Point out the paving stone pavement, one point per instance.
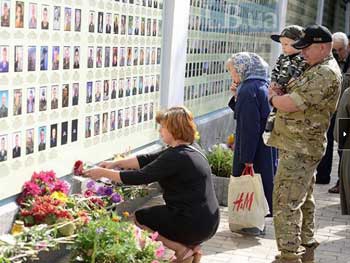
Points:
(333, 231)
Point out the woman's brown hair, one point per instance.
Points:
(179, 122)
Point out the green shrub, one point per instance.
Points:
(220, 160)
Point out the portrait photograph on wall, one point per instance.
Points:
(3, 148)
(4, 109)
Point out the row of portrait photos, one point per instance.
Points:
(111, 121)
(26, 15)
(112, 89)
(206, 89)
(97, 57)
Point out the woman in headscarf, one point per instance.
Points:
(251, 108)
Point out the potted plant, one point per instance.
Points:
(220, 158)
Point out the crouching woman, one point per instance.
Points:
(190, 215)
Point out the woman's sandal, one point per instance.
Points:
(197, 256)
(186, 257)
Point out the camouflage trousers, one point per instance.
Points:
(293, 203)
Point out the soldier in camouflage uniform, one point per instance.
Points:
(300, 129)
(290, 64)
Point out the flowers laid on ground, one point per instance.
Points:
(105, 240)
(52, 217)
(28, 244)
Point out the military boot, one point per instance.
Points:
(309, 255)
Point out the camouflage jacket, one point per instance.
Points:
(315, 93)
(287, 67)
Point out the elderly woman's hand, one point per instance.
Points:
(95, 173)
(233, 88)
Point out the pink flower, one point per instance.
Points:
(155, 261)
(61, 186)
(160, 252)
(31, 188)
(154, 236)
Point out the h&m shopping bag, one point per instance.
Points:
(247, 205)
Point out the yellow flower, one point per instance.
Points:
(59, 196)
(230, 139)
(197, 136)
(116, 219)
(126, 214)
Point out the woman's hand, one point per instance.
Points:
(249, 164)
(108, 164)
(233, 88)
(95, 173)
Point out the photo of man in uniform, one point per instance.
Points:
(4, 63)
(55, 57)
(88, 127)
(31, 58)
(42, 99)
(116, 24)
(97, 125)
(56, 18)
(65, 95)
(45, 17)
(17, 102)
(64, 133)
(3, 148)
(5, 14)
(32, 23)
(18, 58)
(76, 63)
(89, 92)
(54, 99)
(112, 122)
(53, 135)
(16, 150)
(66, 58)
(42, 139)
(4, 104)
(74, 136)
(100, 22)
(77, 20)
(67, 19)
(90, 61)
(91, 22)
(108, 23)
(30, 100)
(44, 58)
(29, 141)
(75, 98)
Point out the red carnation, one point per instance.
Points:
(78, 168)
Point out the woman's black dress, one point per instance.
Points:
(191, 212)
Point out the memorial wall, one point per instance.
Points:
(78, 80)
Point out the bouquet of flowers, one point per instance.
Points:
(42, 184)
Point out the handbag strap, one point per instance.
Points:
(248, 170)
(195, 149)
